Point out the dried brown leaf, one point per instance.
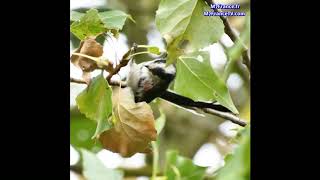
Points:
(134, 127)
(88, 47)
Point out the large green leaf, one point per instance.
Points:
(178, 167)
(81, 131)
(182, 24)
(237, 165)
(93, 168)
(197, 80)
(114, 19)
(88, 25)
(96, 103)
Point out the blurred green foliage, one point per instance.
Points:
(179, 167)
(237, 165)
(94, 169)
(81, 131)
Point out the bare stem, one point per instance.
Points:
(79, 81)
(228, 116)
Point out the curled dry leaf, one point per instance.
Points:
(134, 126)
(88, 47)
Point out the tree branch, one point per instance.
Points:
(228, 30)
(76, 168)
(123, 62)
(112, 83)
(225, 115)
(79, 81)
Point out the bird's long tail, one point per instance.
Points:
(184, 101)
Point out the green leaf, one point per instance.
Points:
(81, 131)
(96, 103)
(76, 16)
(237, 165)
(178, 167)
(88, 25)
(114, 19)
(93, 168)
(182, 24)
(93, 23)
(197, 80)
(160, 122)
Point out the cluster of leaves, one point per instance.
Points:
(237, 164)
(178, 167)
(185, 35)
(121, 125)
(186, 31)
(92, 23)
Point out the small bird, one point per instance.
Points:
(151, 79)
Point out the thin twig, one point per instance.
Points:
(228, 116)
(233, 36)
(112, 83)
(117, 83)
(186, 102)
(123, 62)
(76, 168)
(79, 81)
